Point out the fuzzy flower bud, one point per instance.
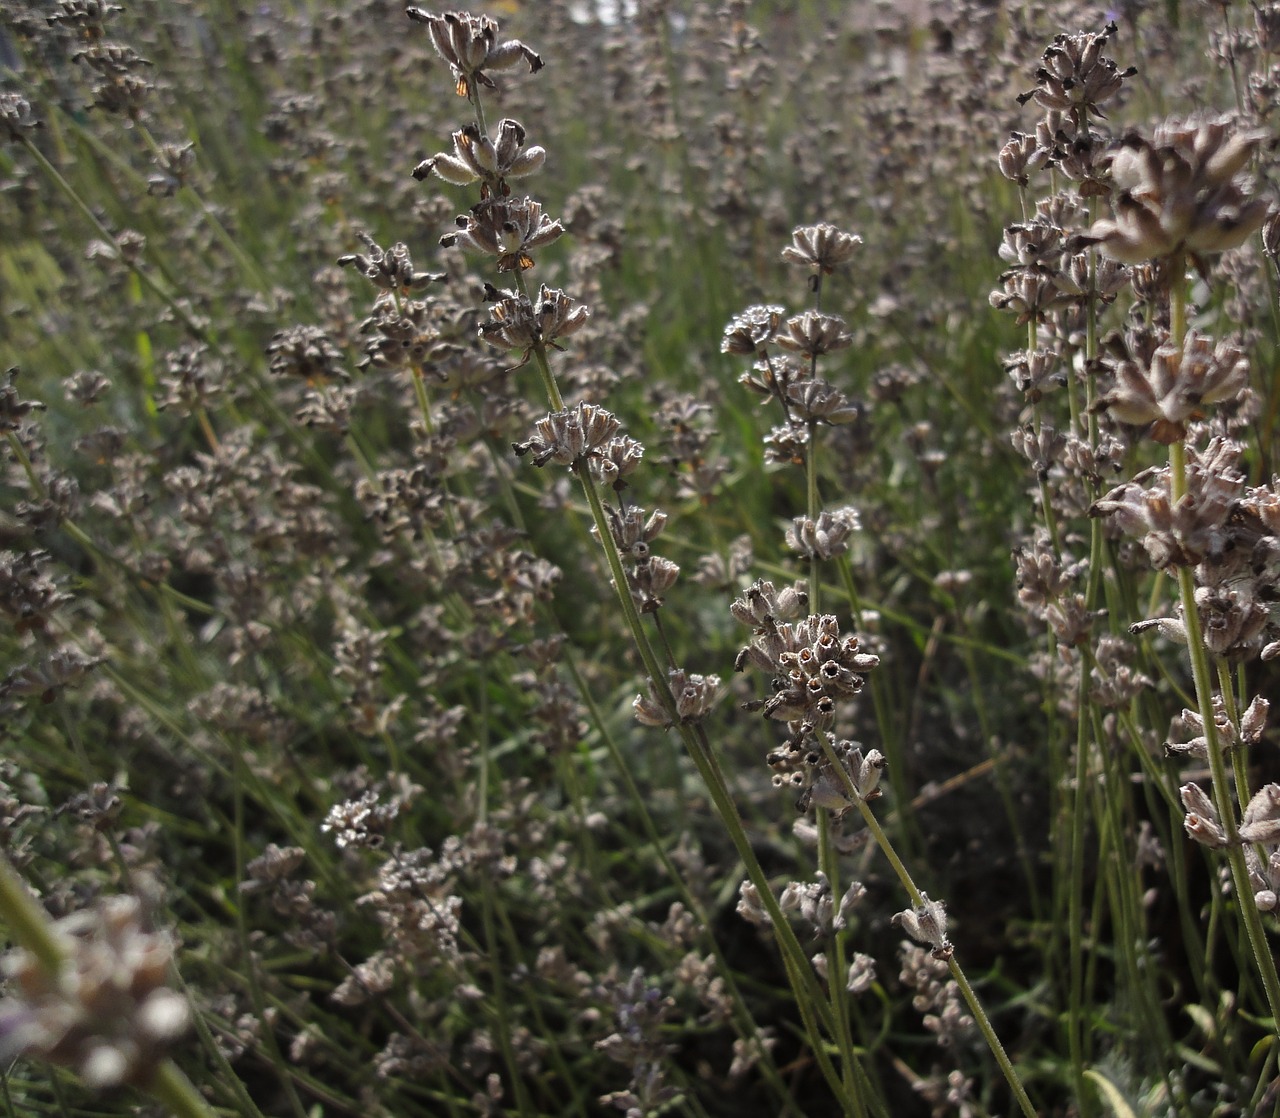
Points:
(1261, 821)
(927, 923)
(1202, 822)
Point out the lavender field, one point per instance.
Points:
(702, 559)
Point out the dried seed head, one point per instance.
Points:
(1194, 528)
(753, 331)
(88, 18)
(1021, 156)
(1031, 293)
(1266, 22)
(120, 86)
(570, 436)
(14, 409)
(1168, 389)
(469, 44)
(825, 537)
(617, 459)
(862, 973)
(1074, 76)
(1261, 821)
(307, 353)
(507, 229)
(694, 697)
(107, 1013)
(1254, 720)
(16, 118)
(822, 248)
(1180, 191)
(493, 161)
(632, 533)
(813, 668)
(389, 269)
(28, 594)
(813, 334)
(1036, 372)
(762, 605)
(55, 670)
(815, 401)
(517, 323)
(750, 907)
(649, 579)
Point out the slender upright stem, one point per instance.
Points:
(1203, 676)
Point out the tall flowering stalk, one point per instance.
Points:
(814, 668)
(587, 439)
(1181, 199)
(1177, 197)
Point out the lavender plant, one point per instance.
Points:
(372, 603)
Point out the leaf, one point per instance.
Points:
(1111, 1095)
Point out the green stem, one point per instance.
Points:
(179, 311)
(879, 836)
(30, 927)
(175, 1090)
(809, 998)
(837, 964)
(1222, 799)
(1203, 677)
(811, 502)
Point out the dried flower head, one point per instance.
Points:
(469, 44)
(107, 1013)
(857, 776)
(518, 323)
(1075, 77)
(825, 537)
(509, 230)
(493, 161)
(16, 118)
(750, 333)
(13, 408)
(88, 18)
(389, 269)
(1185, 532)
(1181, 191)
(813, 334)
(569, 437)
(821, 248)
(1168, 390)
(1020, 156)
(307, 353)
(813, 668)
(694, 696)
